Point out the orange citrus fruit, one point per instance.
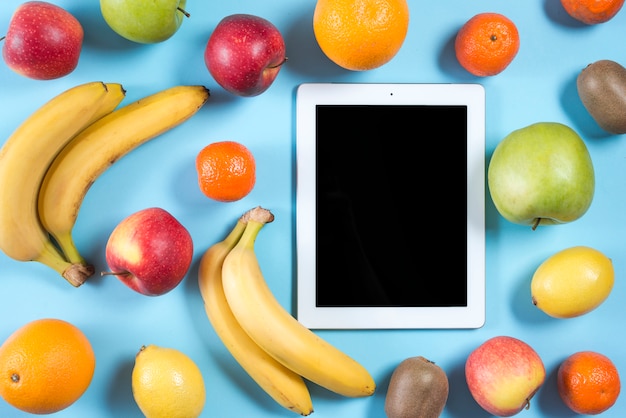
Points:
(360, 34)
(588, 382)
(226, 171)
(45, 366)
(486, 44)
(592, 12)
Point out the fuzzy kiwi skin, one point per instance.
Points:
(602, 89)
(418, 389)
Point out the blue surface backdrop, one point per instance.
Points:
(538, 86)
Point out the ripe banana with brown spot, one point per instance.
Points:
(284, 386)
(96, 148)
(24, 159)
(275, 330)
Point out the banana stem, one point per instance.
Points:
(66, 243)
(255, 219)
(76, 274)
(258, 214)
(233, 237)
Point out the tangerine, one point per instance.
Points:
(588, 382)
(226, 171)
(486, 44)
(360, 35)
(592, 12)
(45, 366)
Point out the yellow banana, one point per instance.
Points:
(96, 148)
(24, 159)
(276, 330)
(284, 386)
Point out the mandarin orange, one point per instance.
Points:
(588, 382)
(486, 44)
(226, 171)
(592, 12)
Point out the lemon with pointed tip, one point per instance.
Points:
(572, 282)
(167, 383)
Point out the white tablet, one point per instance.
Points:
(390, 205)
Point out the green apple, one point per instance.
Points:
(144, 21)
(541, 174)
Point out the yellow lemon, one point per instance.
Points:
(572, 282)
(166, 383)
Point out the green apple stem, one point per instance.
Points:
(183, 11)
(536, 223)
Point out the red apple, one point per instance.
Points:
(43, 41)
(503, 374)
(150, 251)
(244, 54)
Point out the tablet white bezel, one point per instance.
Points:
(308, 96)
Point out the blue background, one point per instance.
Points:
(538, 86)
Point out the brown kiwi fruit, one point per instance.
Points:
(418, 389)
(602, 89)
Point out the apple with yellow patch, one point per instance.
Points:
(503, 374)
(150, 251)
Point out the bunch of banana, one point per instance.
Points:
(283, 385)
(24, 159)
(97, 147)
(48, 164)
(253, 325)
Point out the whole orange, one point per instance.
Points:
(226, 171)
(588, 382)
(486, 44)
(360, 35)
(45, 366)
(592, 12)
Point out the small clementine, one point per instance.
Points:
(45, 366)
(486, 44)
(588, 382)
(226, 171)
(592, 12)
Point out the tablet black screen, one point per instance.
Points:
(391, 205)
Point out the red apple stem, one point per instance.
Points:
(183, 11)
(2, 38)
(278, 65)
(114, 273)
